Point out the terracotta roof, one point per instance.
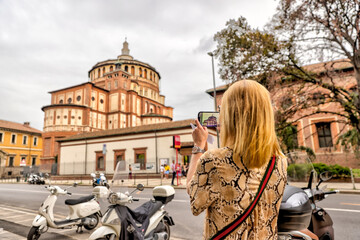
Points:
(18, 127)
(78, 85)
(131, 130)
(340, 64)
(218, 89)
(155, 115)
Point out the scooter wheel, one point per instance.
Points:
(167, 229)
(34, 233)
(94, 222)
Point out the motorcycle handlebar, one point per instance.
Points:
(135, 199)
(332, 192)
(69, 193)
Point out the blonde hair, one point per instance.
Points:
(247, 123)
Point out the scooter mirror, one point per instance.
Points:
(75, 184)
(326, 176)
(140, 187)
(93, 175)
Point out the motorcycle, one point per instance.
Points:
(36, 179)
(83, 212)
(148, 221)
(300, 218)
(32, 179)
(101, 181)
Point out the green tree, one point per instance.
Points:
(300, 32)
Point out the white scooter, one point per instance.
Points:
(84, 211)
(149, 221)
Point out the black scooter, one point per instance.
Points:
(299, 214)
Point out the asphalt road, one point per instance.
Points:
(19, 203)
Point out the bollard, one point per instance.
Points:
(352, 179)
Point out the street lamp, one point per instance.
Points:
(211, 54)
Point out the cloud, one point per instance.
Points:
(49, 45)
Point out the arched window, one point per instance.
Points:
(126, 69)
(99, 73)
(132, 70)
(145, 73)
(103, 70)
(140, 72)
(111, 68)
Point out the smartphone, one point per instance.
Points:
(209, 119)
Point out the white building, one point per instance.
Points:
(144, 147)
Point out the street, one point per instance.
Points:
(19, 204)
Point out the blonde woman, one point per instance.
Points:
(224, 182)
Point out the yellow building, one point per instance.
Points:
(20, 146)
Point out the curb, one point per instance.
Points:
(349, 191)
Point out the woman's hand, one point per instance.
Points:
(200, 135)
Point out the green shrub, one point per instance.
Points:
(299, 171)
(337, 170)
(356, 172)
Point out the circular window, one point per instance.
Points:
(93, 98)
(78, 98)
(58, 117)
(69, 100)
(61, 101)
(110, 121)
(101, 101)
(79, 118)
(65, 117)
(72, 117)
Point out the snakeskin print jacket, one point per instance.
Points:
(224, 189)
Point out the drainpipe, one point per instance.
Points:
(156, 154)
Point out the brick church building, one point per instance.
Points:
(121, 92)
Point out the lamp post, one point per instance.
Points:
(211, 54)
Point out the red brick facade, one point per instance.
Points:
(308, 127)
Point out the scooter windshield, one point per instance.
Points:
(121, 174)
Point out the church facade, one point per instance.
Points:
(121, 93)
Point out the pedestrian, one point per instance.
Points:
(178, 170)
(223, 182)
(183, 172)
(186, 169)
(130, 171)
(167, 171)
(173, 169)
(162, 171)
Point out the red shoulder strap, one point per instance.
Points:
(232, 226)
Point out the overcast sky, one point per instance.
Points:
(49, 45)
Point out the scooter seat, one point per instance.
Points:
(146, 210)
(79, 200)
